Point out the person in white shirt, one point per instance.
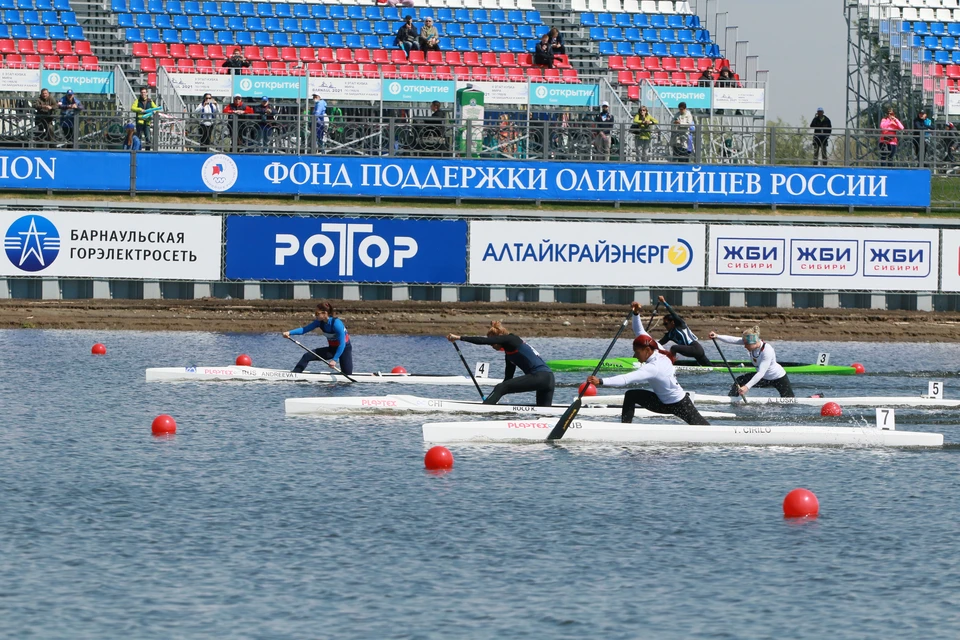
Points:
(769, 372)
(665, 394)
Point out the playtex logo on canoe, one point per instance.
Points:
(586, 253)
(32, 243)
(346, 249)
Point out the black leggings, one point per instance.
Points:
(694, 351)
(780, 384)
(540, 381)
(685, 409)
(346, 358)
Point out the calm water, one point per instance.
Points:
(249, 524)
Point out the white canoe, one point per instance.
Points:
(852, 401)
(170, 374)
(404, 403)
(669, 433)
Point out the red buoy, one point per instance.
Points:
(99, 349)
(243, 360)
(164, 425)
(398, 369)
(801, 503)
(831, 409)
(590, 390)
(858, 368)
(438, 458)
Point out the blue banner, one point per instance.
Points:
(346, 249)
(671, 97)
(64, 170)
(560, 181)
(100, 82)
(273, 87)
(418, 91)
(568, 95)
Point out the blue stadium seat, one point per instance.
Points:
(623, 20)
(49, 18)
(938, 29)
(508, 31)
(446, 44)
(949, 43)
(117, 6)
(461, 44)
(651, 35)
(463, 15)
(921, 28)
(69, 19)
(299, 40)
(678, 51)
(291, 25)
(660, 50)
(515, 46)
(281, 40)
(11, 17)
(31, 18)
(668, 35)
(137, 6)
(354, 42)
(371, 42)
(210, 8)
(713, 50)
(624, 49)
(372, 12)
(498, 45)
(641, 20)
(56, 32)
(942, 57)
(229, 9)
(235, 23)
(702, 36)
(927, 55)
(346, 27)
(498, 16)
(931, 42)
(310, 26)
(199, 23)
(264, 9)
(691, 22)
(19, 32)
(658, 21)
(515, 17)
(61, 5)
(489, 30)
(480, 45)
(43, 5)
(247, 10)
(244, 38)
(632, 34)
(24, 4)
(38, 32)
(301, 11)
(262, 39)
(125, 21)
(336, 41)
(218, 23)
(364, 28)
(686, 36)
(480, 15)
(605, 19)
(355, 12)
(133, 35)
(155, 6)
(173, 7)
(254, 24)
(615, 34)
(444, 16)
(453, 29)
(328, 26)
(192, 8)
(170, 36)
(226, 37)
(150, 35)
(471, 30)
(642, 49)
(272, 25)
(533, 17)
(675, 21)
(163, 21)
(144, 20)
(207, 37)
(391, 14)
(336, 12)
(953, 29)
(955, 57)
(695, 50)
(606, 49)
(189, 37)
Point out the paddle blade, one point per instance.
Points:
(565, 420)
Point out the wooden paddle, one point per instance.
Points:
(475, 383)
(574, 407)
(745, 401)
(321, 358)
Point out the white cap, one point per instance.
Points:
(604, 104)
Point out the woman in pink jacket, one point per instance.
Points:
(889, 127)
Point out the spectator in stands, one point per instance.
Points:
(69, 106)
(642, 130)
(923, 125)
(45, 106)
(408, 36)
(507, 136)
(144, 107)
(889, 127)
(726, 78)
(320, 113)
(822, 128)
(556, 42)
(706, 79)
(601, 140)
(266, 115)
(429, 39)
(131, 142)
(239, 112)
(433, 132)
(236, 61)
(681, 141)
(207, 110)
(951, 142)
(543, 54)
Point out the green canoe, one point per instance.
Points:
(691, 366)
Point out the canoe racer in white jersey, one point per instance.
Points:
(665, 394)
(769, 372)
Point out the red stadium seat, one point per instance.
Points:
(289, 54)
(534, 73)
(65, 48)
(525, 59)
(389, 70)
(157, 50)
(307, 54)
(51, 62)
(661, 78)
(215, 52)
(471, 58)
(31, 62)
(508, 60)
(953, 71)
(13, 61)
(46, 48)
(633, 94)
(315, 68)
(148, 65)
(279, 67)
(152, 80)
(324, 55)
(644, 75)
(178, 51)
(616, 63)
(426, 72)
(454, 59)
(8, 46)
(417, 57)
(679, 79)
(497, 74)
(351, 70)
(381, 56)
(25, 47)
(397, 56)
(515, 74)
(252, 53)
(362, 56)
(634, 63)
(651, 63)
(435, 58)
(626, 77)
(489, 59)
(167, 63)
(570, 75)
(82, 48)
(462, 73)
(90, 63)
(72, 63)
(669, 64)
(688, 64)
(185, 65)
(407, 71)
(272, 54)
(344, 55)
(371, 70)
(204, 66)
(443, 72)
(197, 52)
(479, 73)
(560, 61)
(551, 75)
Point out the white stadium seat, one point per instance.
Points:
(471, 4)
(684, 7)
(927, 15)
(525, 5)
(934, 4)
(909, 14)
(578, 6)
(631, 6)
(613, 6)
(951, 4)
(596, 6)
(648, 6)
(489, 4)
(665, 6)
(455, 4)
(508, 5)
(944, 15)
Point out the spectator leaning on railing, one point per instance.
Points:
(889, 127)
(130, 141)
(822, 128)
(642, 129)
(69, 106)
(144, 107)
(207, 110)
(45, 107)
(604, 121)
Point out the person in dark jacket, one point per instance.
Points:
(822, 128)
(408, 36)
(922, 125)
(543, 54)
(517, 353)
(604, 131)
(556, 42)
(236, 61)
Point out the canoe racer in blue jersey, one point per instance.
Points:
(517, 353)
(679, 339)
(339, 350)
